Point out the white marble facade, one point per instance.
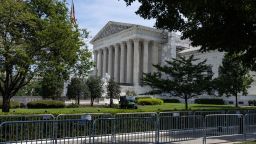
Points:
(126, 51)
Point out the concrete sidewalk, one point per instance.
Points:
(236, 139)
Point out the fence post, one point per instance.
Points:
(93, 130)
(55, 131)
(157, 133)
(205, 128)
(113, 132)
(244, 126)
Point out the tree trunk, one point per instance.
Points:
(6, 104)
(236, 101)
(111, 102)
(186, 102)
(78, 100)
(92, 101)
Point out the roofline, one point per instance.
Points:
(128, 24)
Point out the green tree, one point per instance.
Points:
(31, 89)
(113, 90)
(52, 86)
(182, 77)
(224, 25)
(35, 37)
(84, 62)
(95, 86)
(234, 77)
(77, 89)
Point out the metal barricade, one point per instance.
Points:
(176, 113)
(125, 130)
(166, 127)
(223, 125)
(93, 116)
(137, 115)
(180, 128)
(250, 124)
(204, 113)
(47, 131)
(34, 117)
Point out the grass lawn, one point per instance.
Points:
(155, 108)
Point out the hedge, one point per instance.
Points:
(171, 100)
(150, 101)
(142, 97)
(13, 104)
(210, 101)
(46, 104)
(252, 102)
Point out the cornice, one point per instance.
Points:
(127, 34)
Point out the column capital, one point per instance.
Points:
(136, 39)
(109, 48)
(116, 45)
(146, 40)
(122, 44)
(105, 49)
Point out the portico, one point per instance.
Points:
(126, 51)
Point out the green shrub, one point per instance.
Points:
(210, 101)
(143, 97)
(252, 102)
(46, 104)
(171, 100)
(13, 104)
(150, 101)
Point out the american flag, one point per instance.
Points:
(72, 13)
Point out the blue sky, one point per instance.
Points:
(94, 14)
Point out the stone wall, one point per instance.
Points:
(25, 99)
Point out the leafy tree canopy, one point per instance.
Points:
(182, 77)
(95, 86)
(36, 36)
(113, 91)
(52, 86)
(233, 77)
(224, 25)
(78, 89)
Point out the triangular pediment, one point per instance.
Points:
(111, 28)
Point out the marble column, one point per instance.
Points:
(145, 56)
(122, 64)
(136, 63)
(154, 55)
(99, 65)
(116, 62)
(104, 62)
(95, 54)
(129, 62)
(110, 64)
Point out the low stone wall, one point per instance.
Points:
(25, 99)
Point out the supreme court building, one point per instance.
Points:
(126, 51)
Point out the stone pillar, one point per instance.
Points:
(95, 54)
(136, 63)
(116, 62)
(129, 62)
(154, 55)
(99, 65)
(110, 67)
(104, 61)
(145, 56)
(122, 64)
